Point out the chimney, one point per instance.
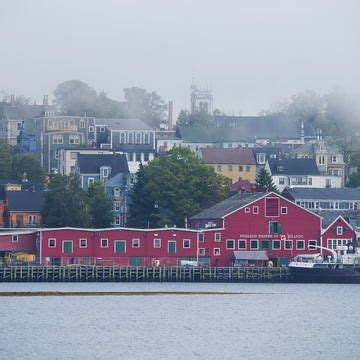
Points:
(170, 115)
(302, 133)
(242, 189)
(265, 188)
(45, 102)
(253, 188)
(12, 100)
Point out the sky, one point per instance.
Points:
(252, 53)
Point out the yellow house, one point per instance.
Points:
(235, 164)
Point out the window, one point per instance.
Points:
(146, 157)
(241, 168)
(146, 139)
(201, 237)
(281, 181)
(219, 168)
(157, 243)
(122, 138)
(58, 139)
(217, 237)
(51, 243)
(300, 244)
(247, 168)
(116, 206)
(73, 155)
(275, 227)
(57, 155)
(102, 129)
(171, 247)
(288, 244)
(104, 243)
(67, 247)
(254, 244)
(32, 219)
(15, 238)
(90, 181)
(120, 247)
(276, 244)
(260, 158)
(272, 206)
(333, 159)
(311, 244)
(230, 168)
(91, 129)
(105, 172)
(284, 210)
(230, 244)
(247, 210)
(116, 220)
(310, 181)
(186, 244)
(82, 124)
(216, 251)
(201, 252)
(135, 243)
(242, 244)
(337, 243)
(116, 192)
(138, 138)
(255, 210)
(83, 243)
(130, 138)
(339, 230)
(138, 157)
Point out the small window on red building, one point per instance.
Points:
(217, 237)
(135, 243)
(51, 243)
(201, 252)
(83, 243)
(15, 238)
(284, 210)
(201, 237)
(216, 251)
(104, 243)
(272, 207)
(186, 243)
(247, 210)
(255, 210)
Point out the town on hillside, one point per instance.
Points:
(122, 183)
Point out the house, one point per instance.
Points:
(167, 140)
(256, 222)
(129, 136)
(264, 153)
(299, 173)
(329, 160)
(112, 170)
(235, 164)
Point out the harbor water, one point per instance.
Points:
(260, 321)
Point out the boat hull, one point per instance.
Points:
(348, 275)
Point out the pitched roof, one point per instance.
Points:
(123, 124)
(25, 200)
(329, 216)
(91, 163)
(324, 194)
(228, 156)
(240, 185)
(293, 167)
(227, 206)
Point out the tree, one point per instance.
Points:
(146, 106)
(354, 180)
(27, 164)
(100, 206)
(174, 187)
(264, 179)
(199, 118)
(65, 203)
(5, 160)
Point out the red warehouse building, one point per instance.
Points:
(254, 228)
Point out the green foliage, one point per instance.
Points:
(100, 206)
(264, 179)
(65, 203)
(174, 187)
(354, 180)
(27, 164)
(199, 118)
(5, 160)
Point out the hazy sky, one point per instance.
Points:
(251, 52)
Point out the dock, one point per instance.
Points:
(92, 273)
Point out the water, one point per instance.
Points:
(279, 321)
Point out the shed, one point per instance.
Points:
(250, 258)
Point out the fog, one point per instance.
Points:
(252, 53)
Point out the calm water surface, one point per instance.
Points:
(281, 321)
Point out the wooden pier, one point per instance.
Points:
(141, 274)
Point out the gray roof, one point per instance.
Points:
(227, 206)
(329, 216)
(293, 167)
(25, 200)
(123, 124)
(91, 163)
(250, 255)
(324, 194)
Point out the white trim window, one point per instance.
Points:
(186, 243)
(91, 129)
(300, 244)
(15, 238)
(242, 244)
(83, 243)
(74, 139)
(288, 245)
(230, 244)
(339, 230)
(247, 210)
(51, 243)
(201, 251)
(104, 243)
(157, 243)
(82, 124)
(311, 244)
(58, 139)
(135, 243)
(284, 210)
(217, 237)
(216, 251)
(276, 245)
(90, 180)
(31, 219)
(254, 244)
(255, 210)
(201, 237)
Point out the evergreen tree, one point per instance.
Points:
(174, 187)
(264, 179)
(5, 160)
(27, 164)
(100, 206)
(65, 203)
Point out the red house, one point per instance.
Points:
(248, 228)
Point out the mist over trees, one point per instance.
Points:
(75, 97)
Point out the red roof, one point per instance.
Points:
(228, 156)
(241, 185)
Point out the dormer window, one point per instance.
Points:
(105, 172)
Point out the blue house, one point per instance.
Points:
(111, 170)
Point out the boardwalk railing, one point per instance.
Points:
(92, 273)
